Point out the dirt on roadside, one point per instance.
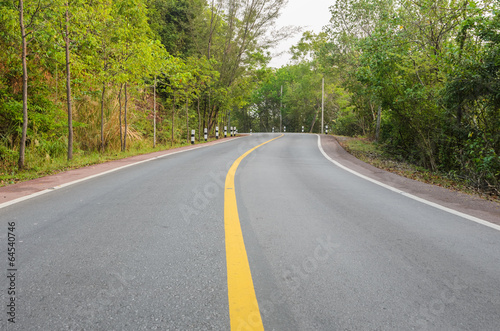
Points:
(15, 191)
(465, 203)
(475, 206)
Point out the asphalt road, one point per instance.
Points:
(143, 248)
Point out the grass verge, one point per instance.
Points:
(371, 153)
(37, 167)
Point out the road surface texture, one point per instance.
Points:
(143, 248)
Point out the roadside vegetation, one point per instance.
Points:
(85, 81)
(101, 78)
(372, 153)
(43, 167)
(420, 77)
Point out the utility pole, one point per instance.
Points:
(322, 104)
(281, 105)
(154, 114)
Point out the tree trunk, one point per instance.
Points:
(22, 147)
(68, 88)
(187, 120)
(102, 115)
(57, 82)
(154, 114)
(173, 119)
(120, 115)
(125, 121)
(199, 120)
(313, 122)
(209, 119)
(205, 112)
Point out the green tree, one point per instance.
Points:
(28, 24)
(472, 100)
(175, 22)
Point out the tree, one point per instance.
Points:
(174, 22)
(133, 44)
(102, 33)
(24, 42)
(472, 100)
(68, 83)
(71, 17)
(25, 86)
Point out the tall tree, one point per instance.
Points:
(103, 29)
(68, 80)
(25, 86)
(24, 42)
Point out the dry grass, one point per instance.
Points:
(371, 153)
(80, 159)
(88, 113)
(49, 156)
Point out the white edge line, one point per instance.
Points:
(411, 196)
(27, 197)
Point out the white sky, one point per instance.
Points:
(309, 14)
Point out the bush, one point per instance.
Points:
(481, 164)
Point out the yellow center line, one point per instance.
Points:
(244, 311)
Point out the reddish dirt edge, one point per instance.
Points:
(15, 191)
(474, 206)
(486, 210)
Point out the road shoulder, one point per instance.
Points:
(15, 191)
(474, 206)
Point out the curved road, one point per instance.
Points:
(143, 248)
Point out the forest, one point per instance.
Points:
(419, 77)
(102, 77)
